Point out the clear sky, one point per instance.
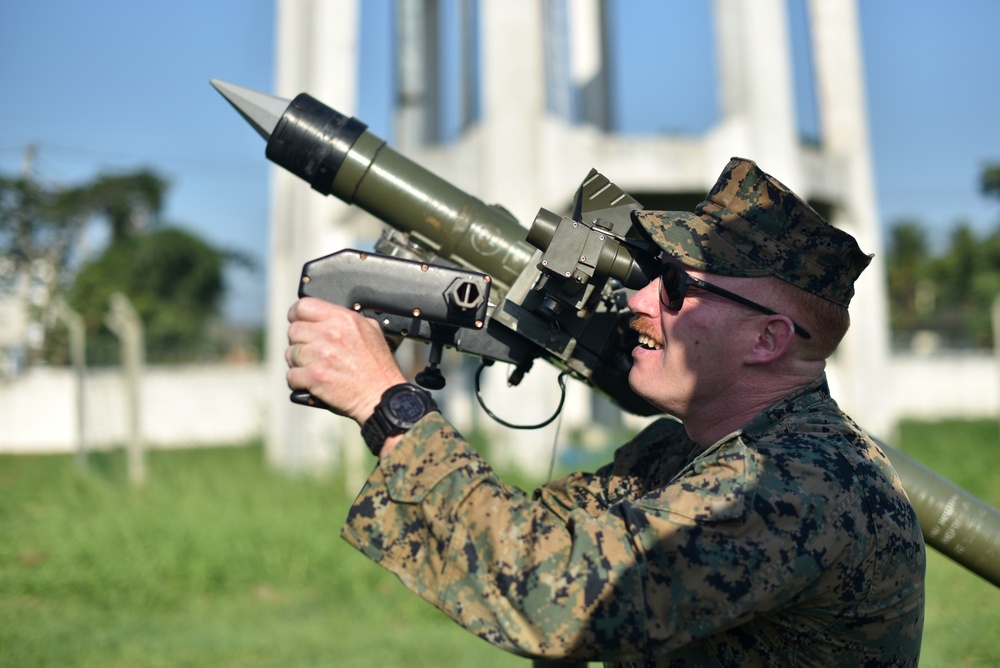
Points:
(120, 84)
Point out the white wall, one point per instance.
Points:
(182, 406)
(190, 406)
(945, 385)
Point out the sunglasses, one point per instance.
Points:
(674, 283)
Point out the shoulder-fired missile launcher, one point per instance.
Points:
(479, 282)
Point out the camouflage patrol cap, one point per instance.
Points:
(752, 225)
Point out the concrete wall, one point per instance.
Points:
(945, 385)
(181, 406)
(190, 406)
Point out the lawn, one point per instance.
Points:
(962, 625)
(220, 562)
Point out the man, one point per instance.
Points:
(761, 527)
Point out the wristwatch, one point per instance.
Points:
(401, 407)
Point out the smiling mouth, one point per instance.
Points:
(648, 343)
(647, 339)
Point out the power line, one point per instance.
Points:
(44, 149)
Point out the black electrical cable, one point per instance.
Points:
(482, 402)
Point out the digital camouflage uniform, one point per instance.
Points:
(787, 542)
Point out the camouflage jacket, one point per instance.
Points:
(788, 542)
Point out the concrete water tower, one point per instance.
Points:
(522, 112)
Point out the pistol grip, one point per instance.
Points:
(304, 398)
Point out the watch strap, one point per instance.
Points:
(400, 407)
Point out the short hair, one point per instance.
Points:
(826, 322)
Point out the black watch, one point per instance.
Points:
(401, 407)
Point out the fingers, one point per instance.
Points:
(311, 320)
(292, 355)
(310, 309)
(339, 356)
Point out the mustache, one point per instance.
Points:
(645, 327)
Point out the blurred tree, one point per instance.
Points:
(41, 226)
(173, 279)
(954, 272)
(950, 291)
(130, 203)
(990, 180)
(907, 262)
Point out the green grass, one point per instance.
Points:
(216, 562)
(220, 562)
(962, 626)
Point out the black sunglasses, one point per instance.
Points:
(674, 283)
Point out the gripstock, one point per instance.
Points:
(456, 272)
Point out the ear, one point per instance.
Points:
(771, 340)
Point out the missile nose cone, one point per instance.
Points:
(262, 111)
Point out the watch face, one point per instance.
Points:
(407, 407)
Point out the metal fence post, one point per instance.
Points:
(77, 355)
(123, 320)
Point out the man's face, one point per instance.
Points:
(686, 358)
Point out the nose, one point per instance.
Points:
(646, 300)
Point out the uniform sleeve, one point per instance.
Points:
(648, 462)
(541, 579)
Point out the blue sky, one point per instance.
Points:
(120, 84)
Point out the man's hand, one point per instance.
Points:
(339, 356)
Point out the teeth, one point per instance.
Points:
(648, 342)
